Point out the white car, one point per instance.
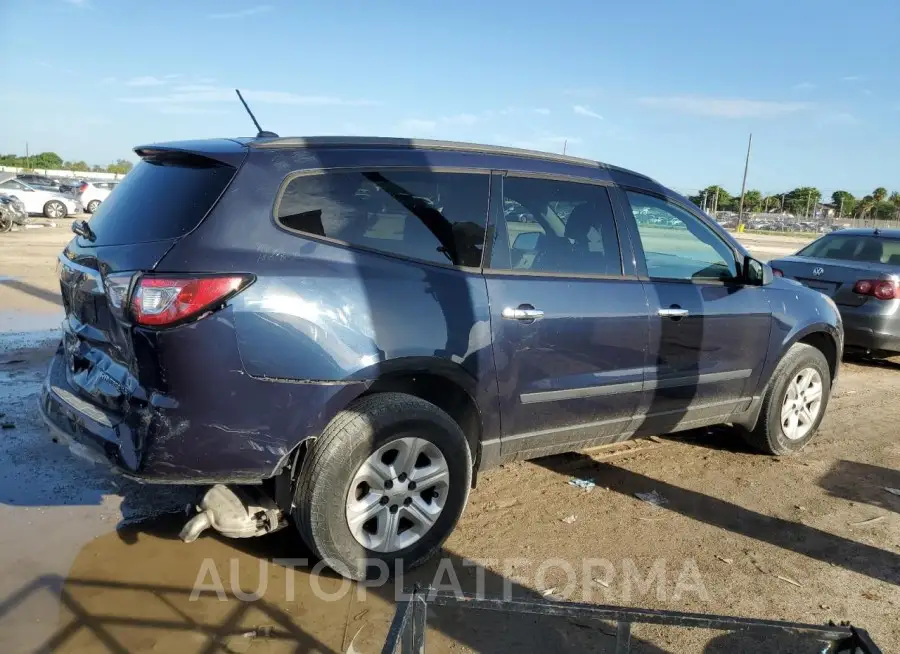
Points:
(47, 203)
(91, 194)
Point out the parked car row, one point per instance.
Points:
(38, 200)
(53, 197)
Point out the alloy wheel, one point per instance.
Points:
(397, 494)
(802, 403)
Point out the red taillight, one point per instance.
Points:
(83, 187)
(882, 289)
(160, 301)
(777, 273)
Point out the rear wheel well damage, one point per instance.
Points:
(444, 393)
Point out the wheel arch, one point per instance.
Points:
(825, 338)
(443, 383)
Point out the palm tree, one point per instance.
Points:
(895, 200)
(865, 206)
(879, 194)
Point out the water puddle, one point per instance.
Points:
(143, 590)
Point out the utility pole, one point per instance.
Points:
(808, 198)
(744, 186)
(565, 143)
(841, 210)
(27, 158)
(704, 201)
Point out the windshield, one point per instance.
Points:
(854, 247)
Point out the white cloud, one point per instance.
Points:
(146, 80)
(204, 94)
(509, 111)
(193, 88)
(77, 3)
(867, 91)
(836, 119)
(724, 107)
(173, 75)
(206, 80)
(108, 80)
(417, 126)
(805, 86)
(460, 119)
(852, 78)
(241, 13)
(581, 110)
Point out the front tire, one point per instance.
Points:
(387, 480)
(55, 209)
(794, 403)
(92, 206)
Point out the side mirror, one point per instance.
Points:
(757, 273)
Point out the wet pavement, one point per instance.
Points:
(51, 504)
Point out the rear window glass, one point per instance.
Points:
(159, 199)
(850, 247)
(432, 216)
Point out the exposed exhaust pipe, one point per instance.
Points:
(235, 512)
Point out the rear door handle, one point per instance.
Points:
(673, 312)
(523, 312)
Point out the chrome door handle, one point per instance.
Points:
(522, 314)
(673, 312)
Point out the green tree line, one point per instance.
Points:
(801, 202)
(52, 161)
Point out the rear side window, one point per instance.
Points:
(431, 216)
(851, 247)
(162, 198)
(557, 227)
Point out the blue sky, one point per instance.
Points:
(669, 88)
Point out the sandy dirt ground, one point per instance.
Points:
(90, 562)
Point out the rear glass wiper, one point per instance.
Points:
(84, 230)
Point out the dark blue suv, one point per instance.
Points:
(362, 324)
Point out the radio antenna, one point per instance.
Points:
(261, 133)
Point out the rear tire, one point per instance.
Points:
(92, 206)
(333, 487)
(789, 417)
(55, 209)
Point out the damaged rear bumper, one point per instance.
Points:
(194, 439)
(91, 432)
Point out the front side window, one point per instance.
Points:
(677, 244)
(13, 184)
(432, 216)
(853, 247)
(557, 227)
